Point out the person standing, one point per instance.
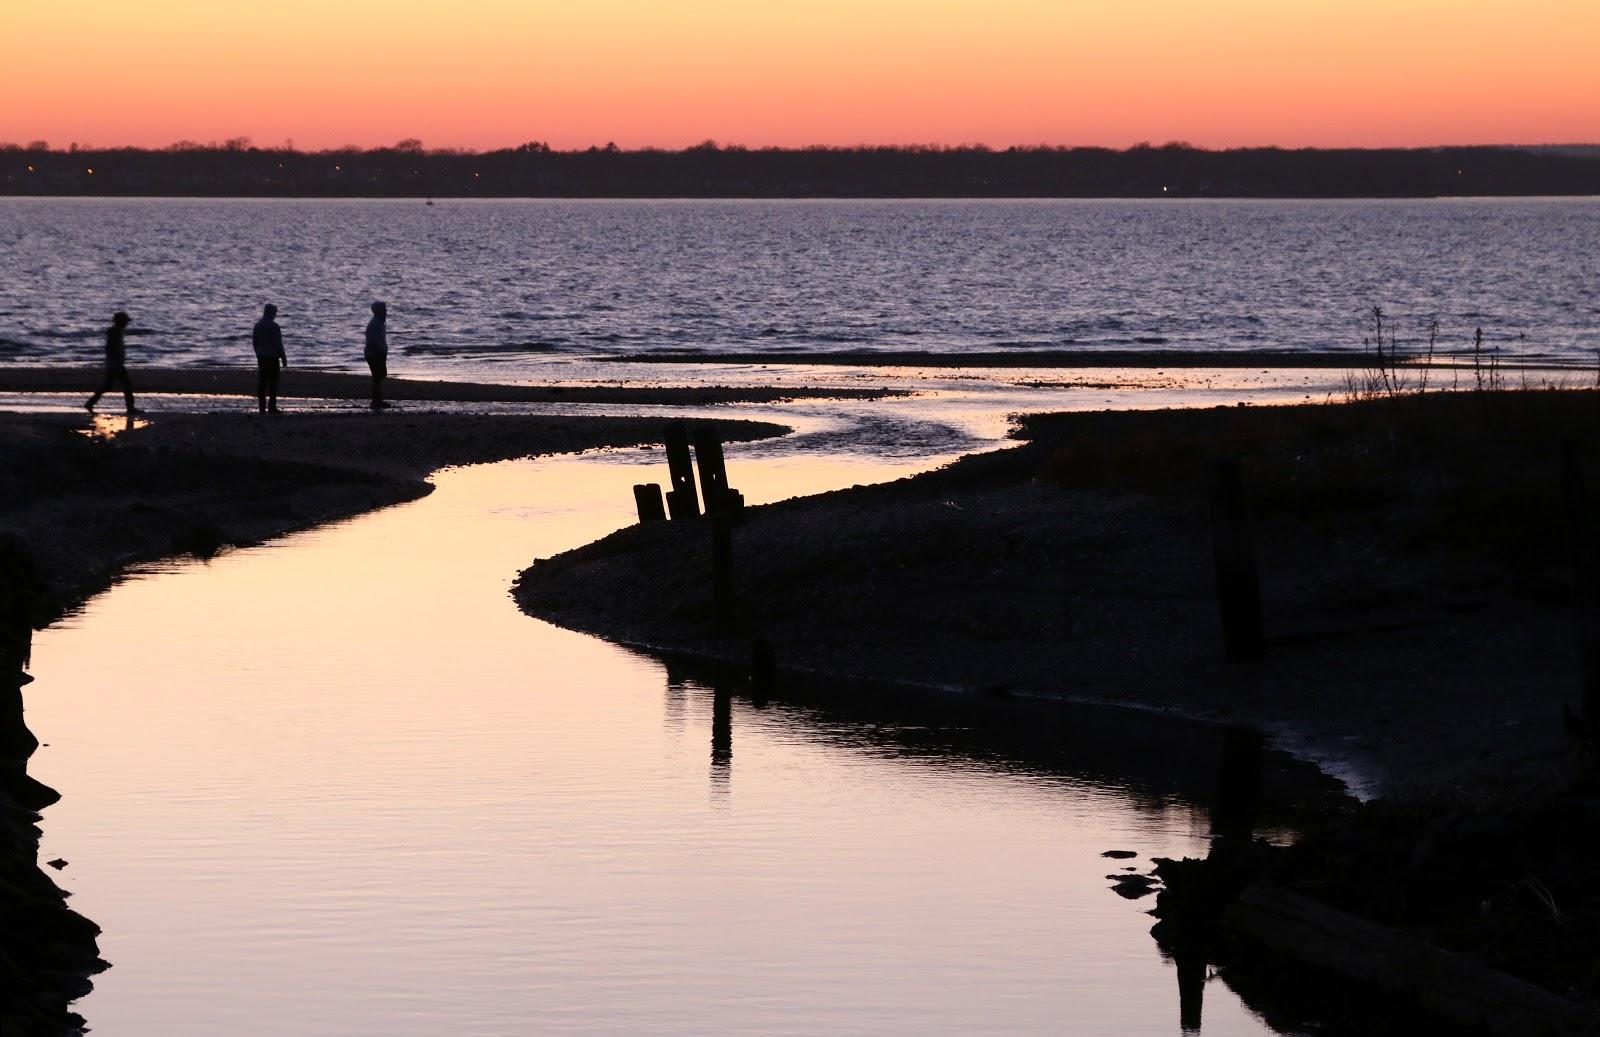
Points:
(377, 351)
(116, 365)
(267, 338)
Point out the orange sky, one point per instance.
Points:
(490, 73)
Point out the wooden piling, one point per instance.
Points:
(1233, 554)
(682, 500)
(713, 469)
(647, 499)
(722, 570)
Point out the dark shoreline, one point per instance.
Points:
(534, 169)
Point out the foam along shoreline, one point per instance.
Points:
(341, 385)
(1092, 359)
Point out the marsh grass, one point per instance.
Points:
(1478, 474)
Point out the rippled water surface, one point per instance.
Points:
(497, 289)
(340, 785)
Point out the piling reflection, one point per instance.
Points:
(1156, 761)
(721, 740)
(1159, 763)
(1191, 968)
(676, 702)
(47, 952)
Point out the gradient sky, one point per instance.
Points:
(491, 73)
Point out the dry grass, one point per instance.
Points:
(1475, 472)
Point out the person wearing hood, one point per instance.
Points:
(267, 338)
(377, 351)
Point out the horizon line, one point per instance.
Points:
(412, 145)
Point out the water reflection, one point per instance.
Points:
(438, 814)
(1192, 972)
(721, 741)
(1155, 762)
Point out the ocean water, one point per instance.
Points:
(516, 289)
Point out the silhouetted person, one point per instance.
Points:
(377, 351)
(267, 338)
(116, 365)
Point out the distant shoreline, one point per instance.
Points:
(534, 170)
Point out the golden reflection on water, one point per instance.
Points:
(339, 784)
(110, 426)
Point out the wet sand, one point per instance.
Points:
(339, 385)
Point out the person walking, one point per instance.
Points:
(267, 339)
(377, 351)
(116, 365)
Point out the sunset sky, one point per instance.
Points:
(492, 73)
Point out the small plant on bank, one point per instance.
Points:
(1391, 373)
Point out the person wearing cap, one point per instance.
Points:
(377, 351)
(116, 365)
(267, 339)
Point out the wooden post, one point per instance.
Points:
(1583, 720)
(713, 469)
(1233, 552)
(681, 499)
(722, 570)
(1233, 814)
(647, 499)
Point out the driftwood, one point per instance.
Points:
(1445, 984)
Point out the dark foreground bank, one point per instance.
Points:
(1417, 559)
(1412, 556)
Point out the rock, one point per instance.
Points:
(1120, 855)
(57, 864)
(1132, 887)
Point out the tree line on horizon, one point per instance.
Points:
(238, 168)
